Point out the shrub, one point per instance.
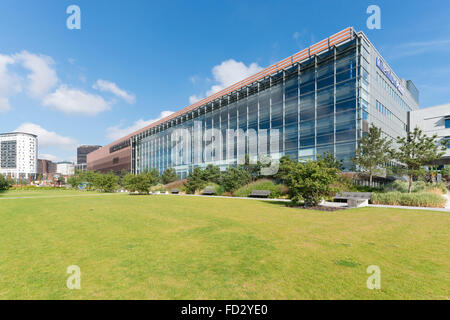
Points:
(169, 175)
(234, 178)
(409, 199)
(4, 183)
(195, 181)
(141, 182)
(310, 181)
(276, 190)
(106, 182)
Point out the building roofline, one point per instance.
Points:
(29, 134)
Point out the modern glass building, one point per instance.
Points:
(319, 100)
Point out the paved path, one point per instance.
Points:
(409, 208)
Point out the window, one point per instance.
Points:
(447, 139)
(447, 122)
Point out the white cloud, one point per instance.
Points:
(42, 77)
(117, 132)
(9, 83)
(194, 98)
(75, 101)
(47, 138)
(228, 73)
(111, 87)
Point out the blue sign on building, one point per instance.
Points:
(389, 74)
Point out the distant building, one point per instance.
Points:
(114, 157)
(18, 155)
(46, 167)
(434, 120)
(81, 167)
(83, 151)
(65, 168)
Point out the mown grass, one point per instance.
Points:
(177, 247)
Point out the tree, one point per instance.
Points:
(195, 181)
(212, 174)
(286, 166)
(4, 183)
(169, 175)
(414, 151)
(310, 181)
(253, 168)
(234, 178)
(106, 182)
(75, 181)
(154, 176)
(373, 152)
(89, 178)
(330, 161)
(140, 182)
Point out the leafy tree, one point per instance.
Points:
(154, 176)
(75, 181)
(106, 182)
(4, 183)
(89, 178)
(310, 181)
(140, 182)
(212, 174)
(169, 175)
(234, 178)
(414, 151)
(195, 181)
(330, 161)
(286, 165)
(253, 168)
(373, 152)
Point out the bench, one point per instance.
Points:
(355, 199)
(175, 191)
(209, 191)
(260, 193)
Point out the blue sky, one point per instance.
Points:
(133, 61)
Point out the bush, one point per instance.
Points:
(276, 190)
(195, 181)
(106, 182)
(169, 175)
(4, 183)
(234, 178)
(141, 182)
(430, 200)
(311, 181)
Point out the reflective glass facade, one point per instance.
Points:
(319, 105)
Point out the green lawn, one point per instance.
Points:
(177, 247)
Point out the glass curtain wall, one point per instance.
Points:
(315, 107)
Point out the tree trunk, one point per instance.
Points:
(371, 179)
(410, 183)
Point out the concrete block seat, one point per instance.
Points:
(355, 199)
